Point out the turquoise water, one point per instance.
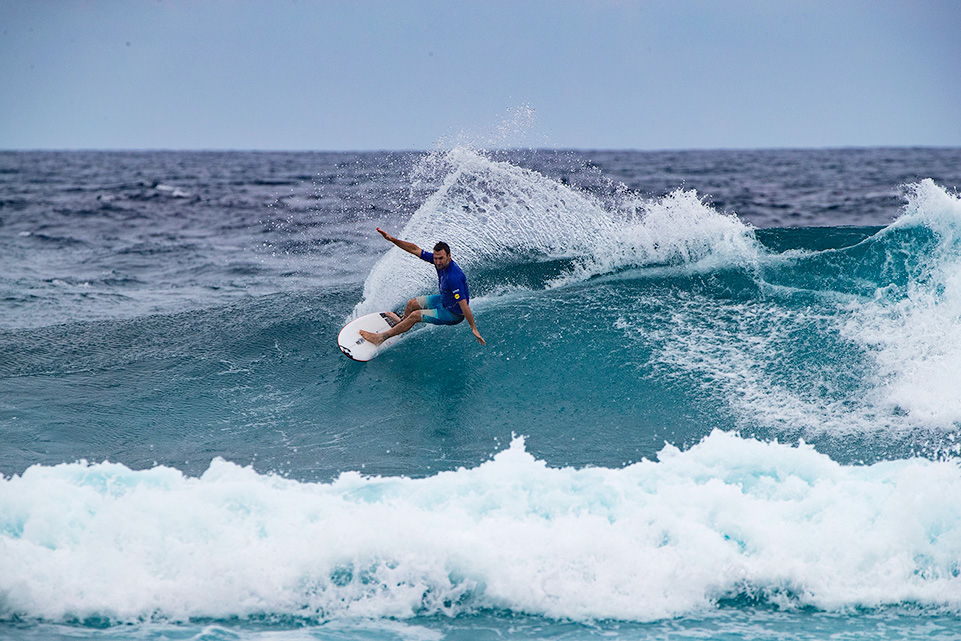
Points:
(682, 426)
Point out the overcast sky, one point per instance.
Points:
(357, 74)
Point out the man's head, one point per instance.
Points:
(441, 255)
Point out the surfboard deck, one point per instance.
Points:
(355, 347)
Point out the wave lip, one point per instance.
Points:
(731, 517)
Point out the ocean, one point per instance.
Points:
(720, 396)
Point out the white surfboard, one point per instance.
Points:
(357, 348)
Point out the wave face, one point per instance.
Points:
(729, 518)
(854, 340)
(685, 421)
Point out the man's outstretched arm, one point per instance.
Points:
(465, 310)
(403, 244)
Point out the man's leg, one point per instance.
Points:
(409, 321)
(412, 305)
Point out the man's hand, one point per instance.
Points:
(408, 247)
(469, 315)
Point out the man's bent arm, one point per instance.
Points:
(465, 310)
(403, 244)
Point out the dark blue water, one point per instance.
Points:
(719, 396)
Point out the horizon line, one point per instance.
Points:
(374, 150)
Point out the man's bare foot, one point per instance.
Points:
(394, 316)
(371, 337)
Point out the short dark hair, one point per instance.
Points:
(442, 245)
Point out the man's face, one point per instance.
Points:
(441, 259)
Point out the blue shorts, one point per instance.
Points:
(434, 312)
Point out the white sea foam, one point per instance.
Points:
(913, 332)
(678, 229)
(747, 353)
(729, 517)
(492, 211)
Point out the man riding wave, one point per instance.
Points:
(447, 308)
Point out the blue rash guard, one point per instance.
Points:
(452, 283)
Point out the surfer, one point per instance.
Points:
(447, 308)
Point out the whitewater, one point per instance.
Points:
(719, 397)
(729, 518)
